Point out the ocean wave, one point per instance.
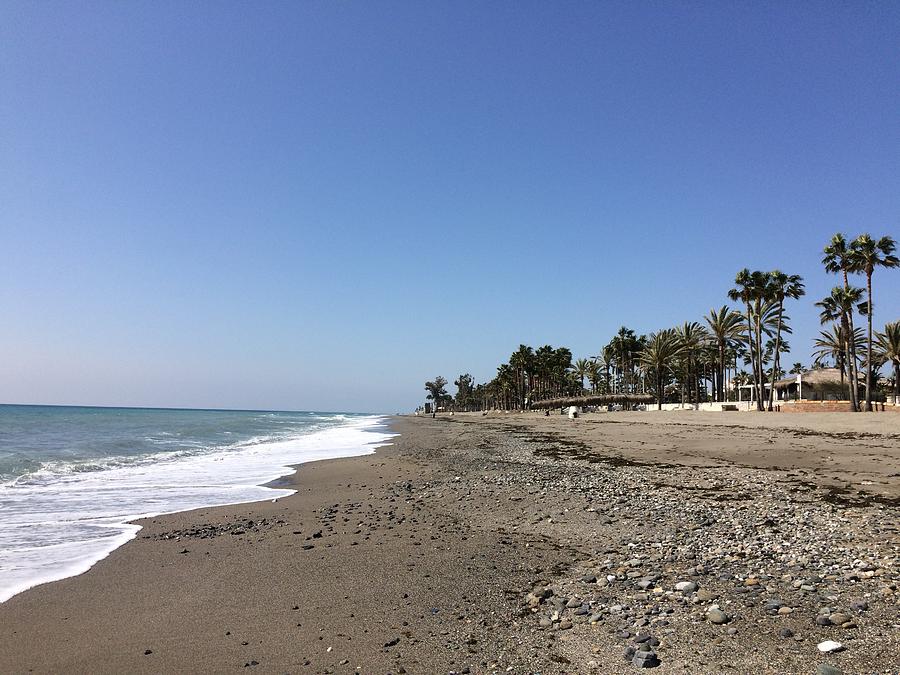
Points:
(60, 519)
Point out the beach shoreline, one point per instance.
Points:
(66, 509)
(421, 557)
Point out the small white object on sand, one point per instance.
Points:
(829, 646)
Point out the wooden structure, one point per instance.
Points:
(598, 399)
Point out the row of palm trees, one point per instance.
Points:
(862, 256)
(762, 294)
(685, 358)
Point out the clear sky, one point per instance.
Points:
(323, 204)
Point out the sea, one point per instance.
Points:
(72, 478)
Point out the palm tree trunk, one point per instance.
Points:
(851, 353)
(851, 375)
(751, 350)
(840, 364)
(775, 357)
(697, 391)
(897, 383)
(761, 389)
(659, 390)
(869, 346)
(722, 373)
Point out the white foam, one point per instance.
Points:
(58, 524)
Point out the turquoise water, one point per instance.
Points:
(71, 478)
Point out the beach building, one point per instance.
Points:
(823, 384)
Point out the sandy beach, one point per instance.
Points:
(515, 543)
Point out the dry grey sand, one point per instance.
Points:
(515, 543)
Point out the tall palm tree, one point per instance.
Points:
(796, 369)
(837, 307)
(691, 337)
(560, 364)
(725, 327)
(744, 292)
(837, 259)
(782, 286)
(657, 358)
(522, 361)
(595, 374)
(865, 255)
(581, 367)
(889, 349)
(831, 345)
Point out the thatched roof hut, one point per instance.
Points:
(821, 384)
(597, 399)
(820, 376)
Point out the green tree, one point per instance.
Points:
(595, 375)
(838, 259)
(691, 338)
(781, 286)
(465, 390)
(725, 327)
(865, 255)
(522, 360)
(437, 394)
(888, 345)
(581, 368)
(658, 358)
(754, 291)
(837, 307)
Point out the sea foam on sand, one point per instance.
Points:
(57, 524)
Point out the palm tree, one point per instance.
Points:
(608, 356)
(889, 349)
(522, 361)
(691, 337)
(831, 345)
(837, 307)
(744, 292)
(865, 255)
(838, 259)
(657, 357)
(782, 286)
(725, 327)
(755, 290)
(796, 369)
(581, 367)
(595, 374)
(560, 364)
(505, 384)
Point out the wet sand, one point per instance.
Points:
(421, 558)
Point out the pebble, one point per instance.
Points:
(717, 616)
(705, 595)
(829, 646)
(839, 619)
(686, 586)
(828, 669)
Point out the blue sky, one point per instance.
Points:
(322, 205)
